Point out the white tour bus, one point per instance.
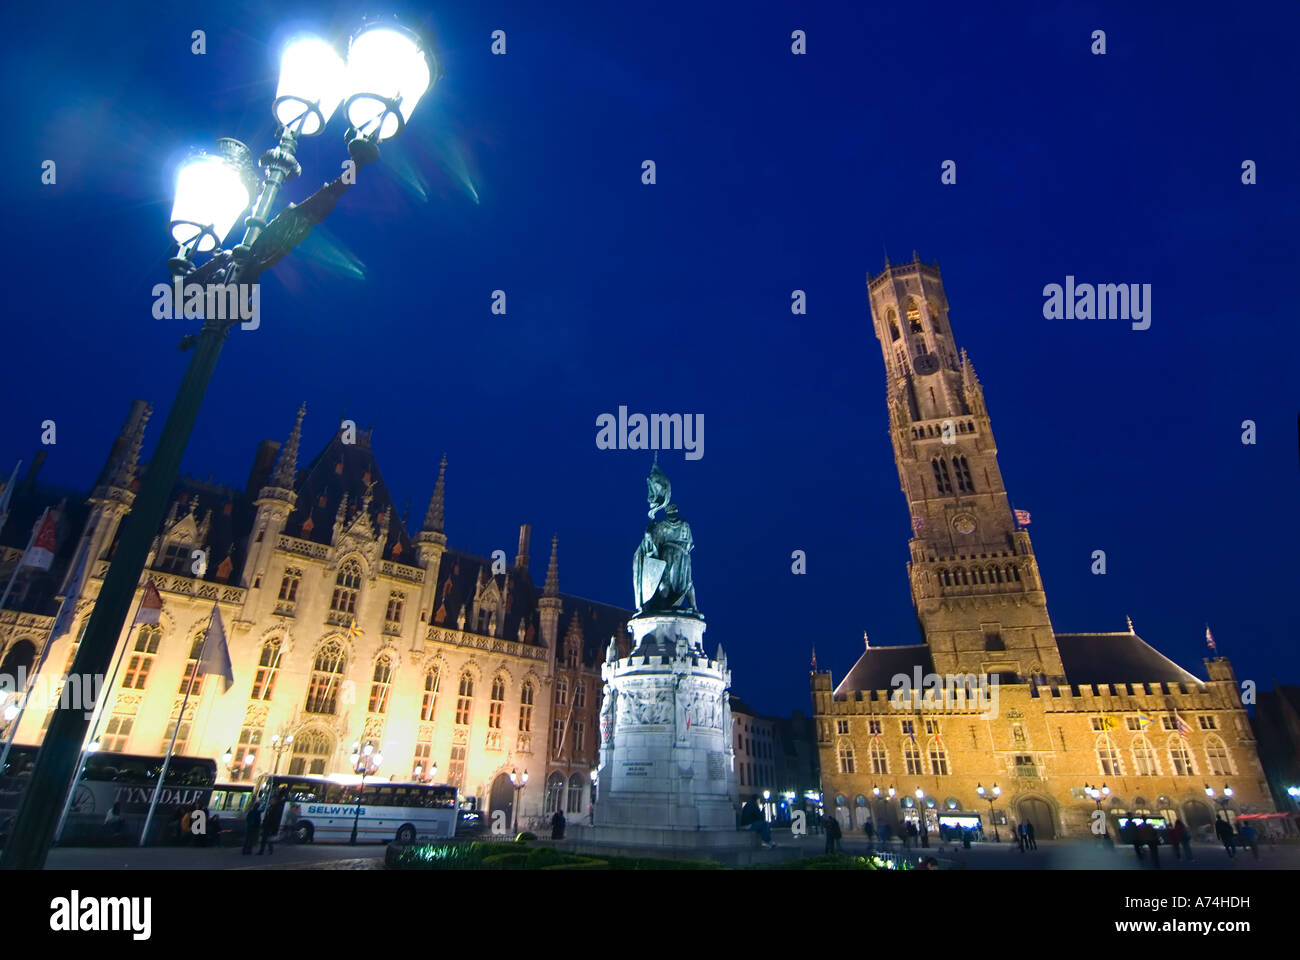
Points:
(326, 808)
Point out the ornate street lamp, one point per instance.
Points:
(424, 776)
(1222, 801)
(387, 72)
(365, 760)
(279, 745)
(991, 796)
(518, 781)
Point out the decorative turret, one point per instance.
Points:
(433, 517)
(521, 555)
(549, 604)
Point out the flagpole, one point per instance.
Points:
(180, 718)
(96, 719)
(40, 664)
(8, 495)
(14, 576)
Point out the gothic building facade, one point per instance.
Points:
(342, 627)
(994, 695)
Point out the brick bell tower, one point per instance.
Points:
(975, 582)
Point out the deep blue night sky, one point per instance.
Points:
(775, 172)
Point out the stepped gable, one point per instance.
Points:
(1093, 658)
(347, 468)
(877, 666)
(228, 515)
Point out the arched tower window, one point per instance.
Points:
(913, 315)
(941, 478)
(326, 678)
(381, 683)
(496, 703)
(464, 699)
(526, 708)
(429, 705)
(346, 587)
(961, 470)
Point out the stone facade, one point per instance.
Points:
(342, 626)
(994, 694)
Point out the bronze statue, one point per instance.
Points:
(661, 569)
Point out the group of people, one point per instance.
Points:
(1144, 834)
(1025, 836)
(267, 824)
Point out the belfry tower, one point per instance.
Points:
(975, 582)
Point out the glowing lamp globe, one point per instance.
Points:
(311, 85)
(387, 74)
(211, 193)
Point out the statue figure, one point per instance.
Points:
(661, 569)
(607, 715)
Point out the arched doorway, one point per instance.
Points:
(21, 655)
(1200, 819)
(502, 797)
(311, 753)
(1038, 812)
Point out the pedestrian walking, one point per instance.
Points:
(1131, 836)
(1029, 835)
(271, 824)
(833, 833)
(1021, 837)
(1174, 835)
(252, 825)
(910, 835)
(1250, 837)
(870, 831)
(925, 834)
(1187, 839)
(557, 824)
(1224, 831)
(1148, 837)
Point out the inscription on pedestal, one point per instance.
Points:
(717, 765)
(638, 768)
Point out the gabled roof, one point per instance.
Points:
(347, 468)
(877, 667)
(1092, 658)
(599, 622)
(459, 577)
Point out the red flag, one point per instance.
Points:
(150, 605)
(41, 553)
(1022, 517)
(1209, 638)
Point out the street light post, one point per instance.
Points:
(365, 761)
(1098, 795)
(387, 72)
(1222, 801)
(991, 796)
(279, 745)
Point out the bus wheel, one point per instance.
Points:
(304, 833)
(406, 834)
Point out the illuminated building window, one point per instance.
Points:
(268, 666)
(496, 703)
(176, 558)
(912, 758)
(1208, 723)
(142, 657)
(422, 764)
(347, 585)
(250, 739)
(580, 696)
(913, 315)
(182, 737)
(464, 700)
(1181, 758)
(873, 727)
(554, 792)
(908, 727)
(429, 705)
(381, 683)
(1107, 757)
(393, 615)
(576, 786)
(1216, 756)
(893, 324)
(842, 727)
(879, 759)
(456, 768)
(311, 753)
(1145, 763)
(846, 758)
(557, 735)
(116, 734)
(938, 758)
(526, 708)
(196, 650)
(326, 678)
(289, 585)
(561, 692)
(932, 727)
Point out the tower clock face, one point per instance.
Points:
(964, 524)
(926, 364)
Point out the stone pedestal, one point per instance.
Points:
(666, 756)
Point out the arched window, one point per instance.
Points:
(496, 703)
(346, 587)
(196, 651)
(311, 754)
(961, 572)
(381, 683)
(142, 657)
(945, 578)
(268, 667)
(326, 678)
(1145, 762)
(1015, 574)
(526, 708)
(979, 574)
(912, 757)
(913, 315)
(464, 699)
(846, 757)
(1107, 757)
(961, 470)
(941, 479)
(938, 757)
(893, 324)
(554, 792)
(1216, 756)
(576, 785)
(289, 585)
(879, 758)
(1181, 757)
(429, 705)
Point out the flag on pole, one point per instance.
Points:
(1109, 723)
(814, 658)
(216, 655)
(41, 553)
(1022, 518)
(1184, 728)
(1145, 720)
(355, 632)
(150, 605)
(1209, 638)
(918, 524)
(72, 590)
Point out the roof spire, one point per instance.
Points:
(552, 588)
(865, 642)
(286, 467)
(1130, 625)
(521, 556)
(433, 517)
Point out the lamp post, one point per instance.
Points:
(591, 815)
(991, 795)
(365, 761)
(518, 781)
(423, 776)
(279, 745)
(387, 71)
(1098, 796)
(1222, 801)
